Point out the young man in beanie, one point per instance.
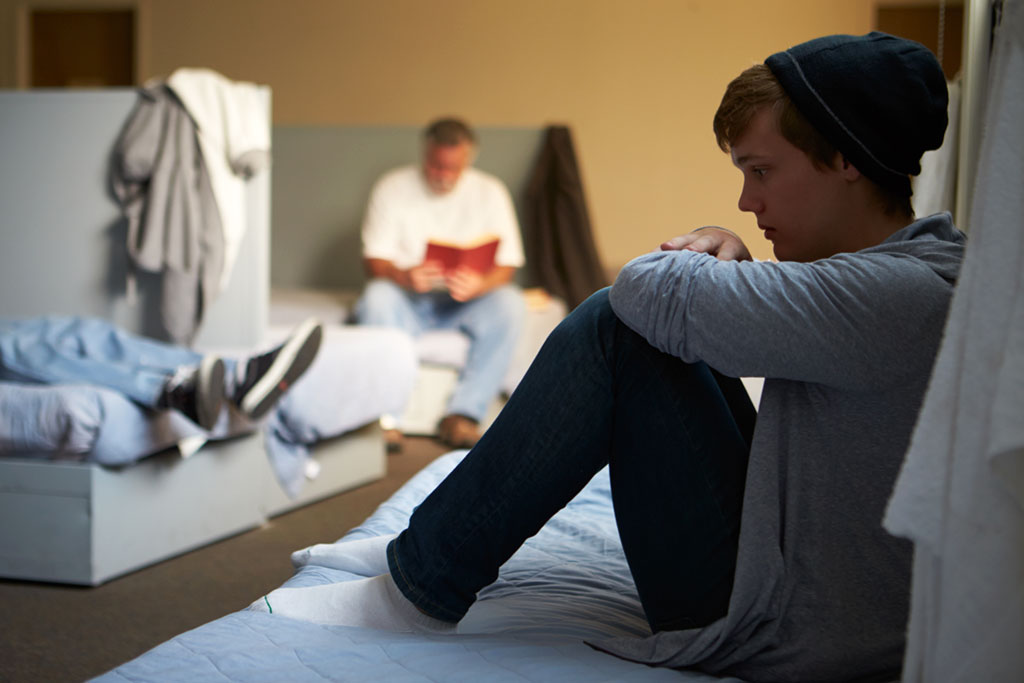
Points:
(754, 539)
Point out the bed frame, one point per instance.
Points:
(64, 253)
(82, 523)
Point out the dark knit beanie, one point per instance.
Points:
(881, 100)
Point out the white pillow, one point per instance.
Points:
(63, 419)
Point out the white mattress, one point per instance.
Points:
(568, 584)
(446, 348)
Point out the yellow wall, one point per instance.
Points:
(636, 80)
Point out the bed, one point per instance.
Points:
(568, 583)
(121, 486)
(441, 353)
(128, 487)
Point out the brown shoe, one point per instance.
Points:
(393, 440)
(458, 431)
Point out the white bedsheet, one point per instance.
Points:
(359, 374)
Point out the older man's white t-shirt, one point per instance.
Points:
(403, 214)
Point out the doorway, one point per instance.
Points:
(81, 48)
(937, 27)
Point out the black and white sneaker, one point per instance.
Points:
(263, 379)
(196, 391)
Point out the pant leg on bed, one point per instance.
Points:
(596, 394)
(72, 350)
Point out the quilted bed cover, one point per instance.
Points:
(567, 584)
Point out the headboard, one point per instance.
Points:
(63, 249)
(322, 181)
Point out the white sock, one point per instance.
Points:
(363, 557)
(371, 603)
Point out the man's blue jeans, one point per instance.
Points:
(72, 350)
(675, 436)
(493, 322)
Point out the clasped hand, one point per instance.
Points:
(462, 284)
(723, 244)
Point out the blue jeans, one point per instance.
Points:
(676, 438)
(493, 323)
(69, 350)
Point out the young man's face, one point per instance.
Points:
(799, 207)
(443, 164)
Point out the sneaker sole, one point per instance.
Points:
(293, 360)
(209, 392)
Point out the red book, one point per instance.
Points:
(478, 255)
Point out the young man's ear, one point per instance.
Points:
(848, 170)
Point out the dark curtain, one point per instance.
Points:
(560, 251)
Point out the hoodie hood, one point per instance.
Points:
(934, 240)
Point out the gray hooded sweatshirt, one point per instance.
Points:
(846, 346)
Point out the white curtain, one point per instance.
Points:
(960, 495)
(935, 186)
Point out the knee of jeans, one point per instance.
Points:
(595, 306)
(592, 314)
(378, 302)
(508, 301)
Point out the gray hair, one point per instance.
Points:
(449, 131)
